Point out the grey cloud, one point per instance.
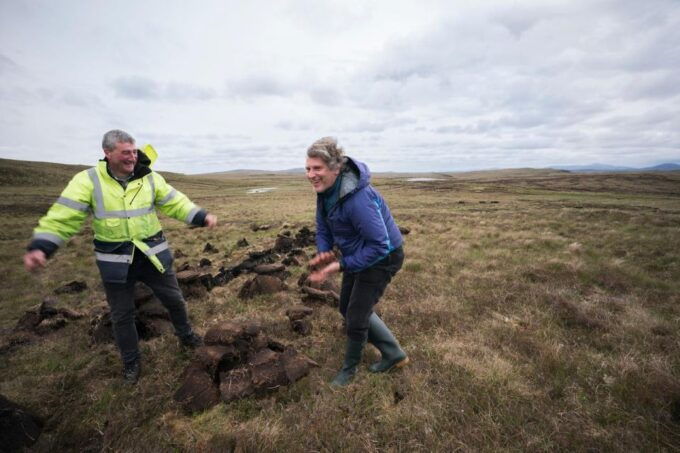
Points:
(399, 71)
(143, 88)
(530, 143)
(365, 127)
(17, 94)
(242, 150)
(519, 19)
(522, 121)
(260, 85)
(172, 137)
(326, 96)
(279, 85)
(661, 84)
(658, 117)
(289, 125)
(135, 87)
(374, 139)
(81, 99)
(231, 157)
(186, 91)
(7, 65)
(449, 129)
(51, 96)
(325, 17)
(378, 126)
(479, 81)
(287, 86)
(198, 147)
(559, 69)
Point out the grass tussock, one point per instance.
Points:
(541, 311)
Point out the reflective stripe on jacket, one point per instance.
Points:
(124, 219)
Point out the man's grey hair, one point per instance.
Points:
(116, 136)
(327, 149)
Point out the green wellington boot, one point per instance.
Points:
(381, 337)
(349, 367)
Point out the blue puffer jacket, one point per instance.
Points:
(360, 223)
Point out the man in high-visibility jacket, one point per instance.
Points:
(122, 193)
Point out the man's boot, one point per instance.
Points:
(191, 341)
(131, 371)
(349, 367)
(381, 337)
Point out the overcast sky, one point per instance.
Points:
(404, 85)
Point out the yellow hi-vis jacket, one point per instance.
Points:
(124, 218)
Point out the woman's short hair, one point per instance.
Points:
(111, 138)
(327, 149)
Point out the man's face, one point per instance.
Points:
(319, 175)
(122, 159)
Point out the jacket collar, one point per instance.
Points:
(141, 167)
(354, 176)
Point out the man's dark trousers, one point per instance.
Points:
(120, 297)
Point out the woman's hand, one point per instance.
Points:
(321, 259)
(322, 274)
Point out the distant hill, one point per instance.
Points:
(615, 168)
(245, 172)
(663, 167)
(29, 173)
(504, 173)
(21, 173)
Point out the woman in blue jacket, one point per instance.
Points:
(353, 216)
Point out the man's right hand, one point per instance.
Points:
(210, 221)
(34, 259)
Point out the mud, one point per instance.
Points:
(404, 230)
(300, 312)
(269, 269)
(267, 262)
(284, 244)
(262, 284)
(198, 391)
(195, 284)
(256, 227)
(19, 428)
(316, 296)
(209, 248)
(326, 292)
(327, 285)
(301, 327)
(298, 322)
(45, 318)
(238, 360)
(71, 288)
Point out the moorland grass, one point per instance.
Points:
(540, 311)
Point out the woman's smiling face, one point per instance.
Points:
(319, 175)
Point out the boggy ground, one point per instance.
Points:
(540, 312)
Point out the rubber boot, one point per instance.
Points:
(349, 367)
(381, 337)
